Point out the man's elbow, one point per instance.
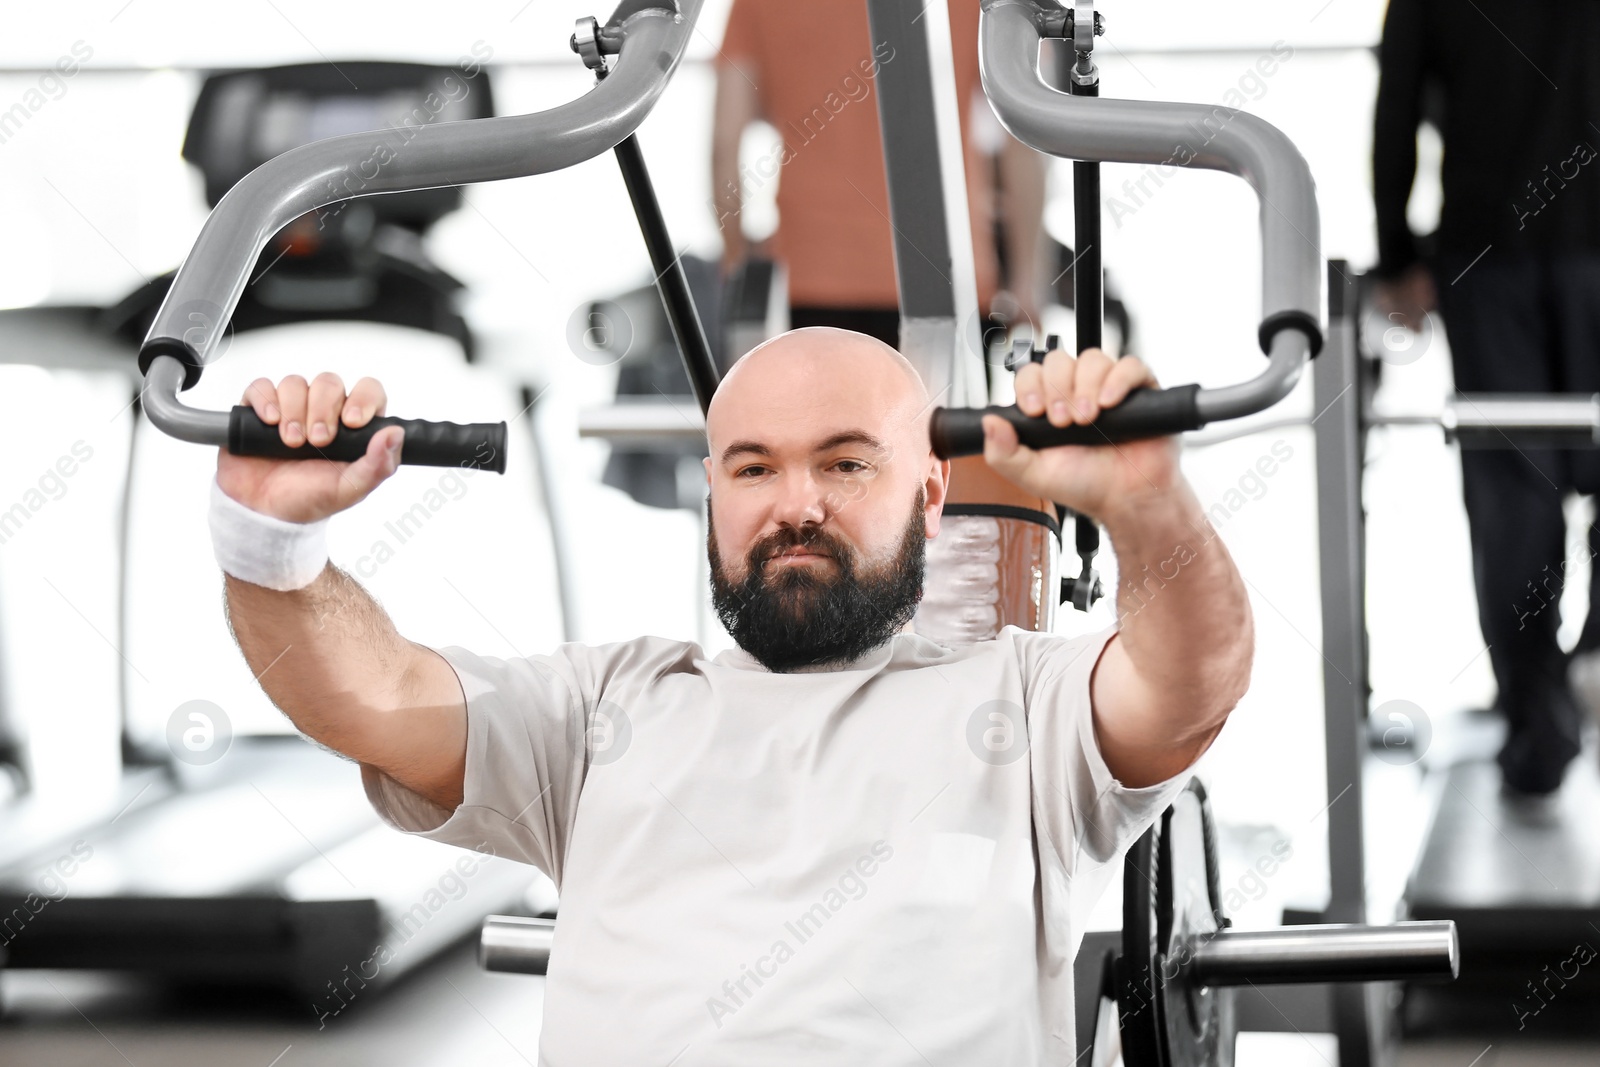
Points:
(1213, 696)
(1232, 681)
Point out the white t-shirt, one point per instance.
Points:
(887, 864)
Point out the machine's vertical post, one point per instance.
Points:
(1088, 280)
(671, 282)
(1088, 283)
(1341, 530)
(920, 118)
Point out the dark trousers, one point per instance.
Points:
(1526, 324)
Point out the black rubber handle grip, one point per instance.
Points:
(1144, 412)
(481, 445)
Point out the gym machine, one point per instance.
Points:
(1170, 971)
(192, 877)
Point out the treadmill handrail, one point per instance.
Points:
(208, 285)
(1106, 130)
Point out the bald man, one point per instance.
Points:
(839, 842)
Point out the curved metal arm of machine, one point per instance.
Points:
(192, 318)
(1105, 130)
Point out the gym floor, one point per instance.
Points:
(450, 1013)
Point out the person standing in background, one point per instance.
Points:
(810, 71)
(1514, 271)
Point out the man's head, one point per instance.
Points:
(824, 492)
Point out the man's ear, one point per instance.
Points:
(936, 487)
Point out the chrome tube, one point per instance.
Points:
(644, 424)
(1496, 420)
(1334, 953)
(516, 944)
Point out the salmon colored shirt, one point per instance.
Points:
(814, 66)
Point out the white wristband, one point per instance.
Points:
(264, 550)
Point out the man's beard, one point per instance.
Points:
(790, 616)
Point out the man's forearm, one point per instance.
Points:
(1185, 620)
(327, 655)
(729, 203)
(734, 109)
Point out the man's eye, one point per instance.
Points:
(747, 470)
(855, 463)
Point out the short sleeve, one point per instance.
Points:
(741, 39)
(1085, 814)
(531, 724)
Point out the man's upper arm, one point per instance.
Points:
(492, 754)
(1402, 68)
(421, 742)
(738, 62)
(1081, 806)
(736, 106)
(487, 753)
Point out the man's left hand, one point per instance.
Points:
(1091, 479)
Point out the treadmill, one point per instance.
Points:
(1519, 878)
(267, 867)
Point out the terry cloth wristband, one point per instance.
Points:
(264, 550)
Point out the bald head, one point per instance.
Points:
(820, 372)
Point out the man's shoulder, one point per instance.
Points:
(646, 649)
(1035, 646)
(647, 653)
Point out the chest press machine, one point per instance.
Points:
(1170, 971)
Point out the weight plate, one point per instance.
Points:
(1198, 1021)
(1172, 902)
(1139, 971)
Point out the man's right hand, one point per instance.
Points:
(1408, 298)
(307, 490)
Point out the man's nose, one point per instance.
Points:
(801, 499)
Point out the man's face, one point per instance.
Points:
(807, 598)
(824, 492)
